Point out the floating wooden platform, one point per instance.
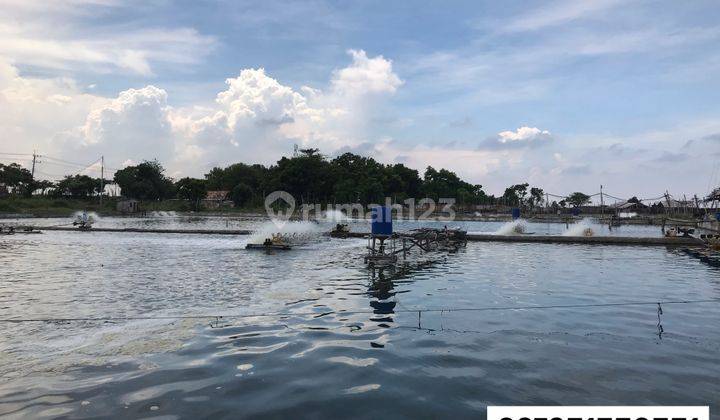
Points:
(589, 240)
(271, 247)
(143, 230)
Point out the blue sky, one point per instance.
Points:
(566, 95)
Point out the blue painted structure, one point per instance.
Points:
(381, 221)
(515, 213)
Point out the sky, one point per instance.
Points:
(564, 95)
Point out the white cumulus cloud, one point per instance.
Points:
(134, 126)
(523, 134)
(255, 119)
(366, 75)
(522, 137)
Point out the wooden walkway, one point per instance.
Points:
(588, 240)
(143, 230)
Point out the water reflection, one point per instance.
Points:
(383, 280)
(352, 340)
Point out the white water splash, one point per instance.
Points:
(582, 228)
(163, 214)
(516, 227)
(89, 213)
(91, 216)
(292, 232)
(334, 216)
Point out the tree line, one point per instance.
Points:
(309, 177)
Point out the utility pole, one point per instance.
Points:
(32, 176)
(33, 165)
(102, 178)
(602, 202)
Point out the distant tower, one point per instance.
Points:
(295, 150)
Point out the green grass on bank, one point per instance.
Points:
(46, 206)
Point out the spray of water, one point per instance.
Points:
(334, 216)
(91, 215)
(581, 228)
(516, 227)
(292, 232)
(163, 214)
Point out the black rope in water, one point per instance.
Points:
(217, 318)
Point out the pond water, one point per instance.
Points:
(314, 332)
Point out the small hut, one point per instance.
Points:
(217, 199)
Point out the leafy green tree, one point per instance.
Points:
(446, 184)
(241, 195)
(191, 189)
(577, 199)
(312, 178)
(402, 182)
(536, 196)
(78, 186)
(358, 179)
(514, 195)
(145, 181)
(239, 173)
(306, 177)
(17, 178)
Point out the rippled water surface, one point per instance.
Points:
(344, 339)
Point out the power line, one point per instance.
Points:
(50, 175)
(67, 165)
(15, 154)
(363, 312)
(54, 161)
(67, 162)
(86, 167)
(15, 160)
